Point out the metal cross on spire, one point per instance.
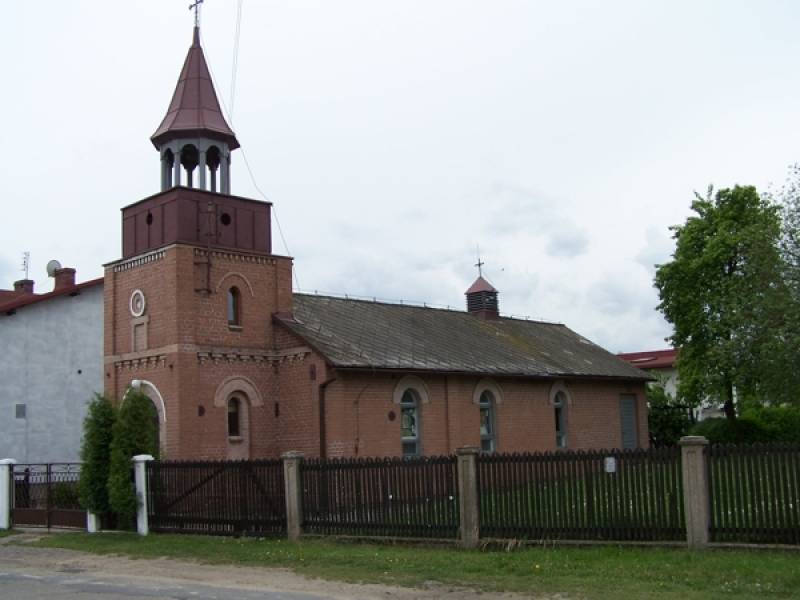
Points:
(196, 7)
(480, 263)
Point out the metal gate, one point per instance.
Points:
(46, 495)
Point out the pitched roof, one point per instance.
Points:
(653, 359)
(194, 109)
(374, 335)
(480, 285)
(8, 308)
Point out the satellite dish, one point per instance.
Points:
(52, 267)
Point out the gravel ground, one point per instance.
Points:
(39, 572)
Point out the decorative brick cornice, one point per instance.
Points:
(138, 261)
(226, 355)
(145, 362)
(238, 257)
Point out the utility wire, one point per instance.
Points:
(247, 163)
(235, 65)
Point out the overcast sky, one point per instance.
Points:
(394, 137)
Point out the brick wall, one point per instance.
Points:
(358, 421)
(191, 351)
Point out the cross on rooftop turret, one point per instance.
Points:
(195, 6)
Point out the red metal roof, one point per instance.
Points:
(480, 285)
(29, 299)
(194, 110)
(654, 359)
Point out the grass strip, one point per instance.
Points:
(592, 573)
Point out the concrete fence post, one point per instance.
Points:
(294, 494)
(92, 522)
(6, 491)
(468, 496)
(696, 499)
(140, 479)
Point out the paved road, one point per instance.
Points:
(19, 585)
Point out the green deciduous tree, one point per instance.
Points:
(96, 455)
(723, 292)
(668, 420)
(135, 432)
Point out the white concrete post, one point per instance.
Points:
(139, 465)
(6, 491)
(92, 522)
(468, 496)
(696, 500)
(294, 504)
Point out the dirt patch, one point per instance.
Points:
(17, 555)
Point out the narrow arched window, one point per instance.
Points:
(234, 417)
(560, 410)
(409, 423)
(486, 405)
(234, 307)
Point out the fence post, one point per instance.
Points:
(92, 522)
(468, 496)
(6, 491)
(696, 500)
(294, 505)
(139, 476)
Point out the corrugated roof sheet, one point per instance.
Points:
(363, 334)
(653, 359)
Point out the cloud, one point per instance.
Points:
(657, 249)
(567, 243)
(515, 210)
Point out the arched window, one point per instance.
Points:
(410, 422)
(486, 405)
(560, 410)
(234, 307)
(234, 417)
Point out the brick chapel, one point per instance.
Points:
(200, 315)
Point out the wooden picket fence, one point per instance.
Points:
(631, 495)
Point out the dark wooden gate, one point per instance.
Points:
(46, 495)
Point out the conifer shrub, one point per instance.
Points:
(135, 432)
(96, 455)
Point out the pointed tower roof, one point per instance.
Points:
(481, 285)
(194, 110)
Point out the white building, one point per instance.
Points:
(51, 365)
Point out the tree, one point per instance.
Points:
(783, 351)
(668, 420)
(96, 455)
(722, 293)
(135, 432)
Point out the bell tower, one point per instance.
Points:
(189, 306)
(194, 140)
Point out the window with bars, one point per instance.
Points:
(410, 423)
(486, 405)
(560, 410)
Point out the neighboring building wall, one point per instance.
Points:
(363, 420)
(53, 364)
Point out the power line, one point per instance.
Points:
(254, 182)
(235, 66)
